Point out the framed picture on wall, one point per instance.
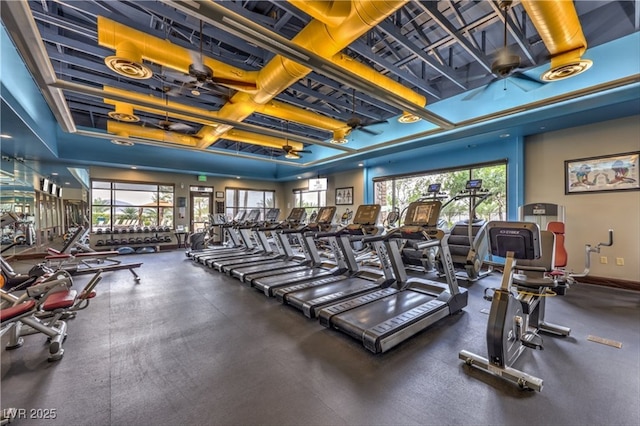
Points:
(219, 194)
(618, 172)
(344, 196)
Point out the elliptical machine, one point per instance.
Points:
(412, 254)
(517, 312)
(468, 242)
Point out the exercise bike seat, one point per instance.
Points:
(523, 280)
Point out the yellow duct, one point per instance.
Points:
(132, 46)
(378, 79)
(331, 13)
(262, 140)
(348, 22)
(272, 109)
(559, 27)
(162, 106)
(133, 130)
(320, 38)
(208, 128)
(298, 115)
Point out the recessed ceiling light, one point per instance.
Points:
(237, 177)
(360, 164)
(67, 183)
(5, 136)
(134, 167)
(505, 135)
(299, 177)
(408, 118)
(54, 174)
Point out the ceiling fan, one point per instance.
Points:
(293, 154)
(507, 64)
(356, 123)
(204, 75)
(171, 126)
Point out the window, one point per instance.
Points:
(398, 192)
(310, 200)
(126, 204)
(247, 199)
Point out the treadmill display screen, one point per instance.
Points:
(421, 214)
(367, 214)
(326, 215)
(296, 214)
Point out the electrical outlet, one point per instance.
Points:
(603, 260)
(620, 261)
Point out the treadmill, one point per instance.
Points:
(381, 321)
(233, 239)
(269, 255)
(243, 230)
(318, 268)
(311, 296)
(290, 262)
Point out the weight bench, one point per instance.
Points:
(85, 263)
(49, 305)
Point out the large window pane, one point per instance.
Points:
(126, 204)
(399, 192)
(239, 199)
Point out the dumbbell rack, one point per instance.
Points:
(112, 239)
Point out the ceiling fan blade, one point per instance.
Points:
(526, 83)
(373, 123)
(371, 132)
(304, 151)
(181, 127)
(477, 92)
(196, 61)
(234, 84)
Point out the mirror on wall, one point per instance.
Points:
(17, 198)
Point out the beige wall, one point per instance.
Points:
(351, 178)
(589, 216)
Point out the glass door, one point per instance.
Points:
(201, 208)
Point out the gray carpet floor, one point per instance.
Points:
(188, 345)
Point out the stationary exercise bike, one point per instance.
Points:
(518, 306)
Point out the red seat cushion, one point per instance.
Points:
(14, 311)
(60, 300)
(561, 255)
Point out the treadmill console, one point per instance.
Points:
(474, 184)
(297, 215)
(253, 216)
(423, 213)
(367, 214)
(365, 220)
(326, 215)
(272, 215)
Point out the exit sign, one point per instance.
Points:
(202, 178)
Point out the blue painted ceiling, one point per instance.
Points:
(438, 49)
